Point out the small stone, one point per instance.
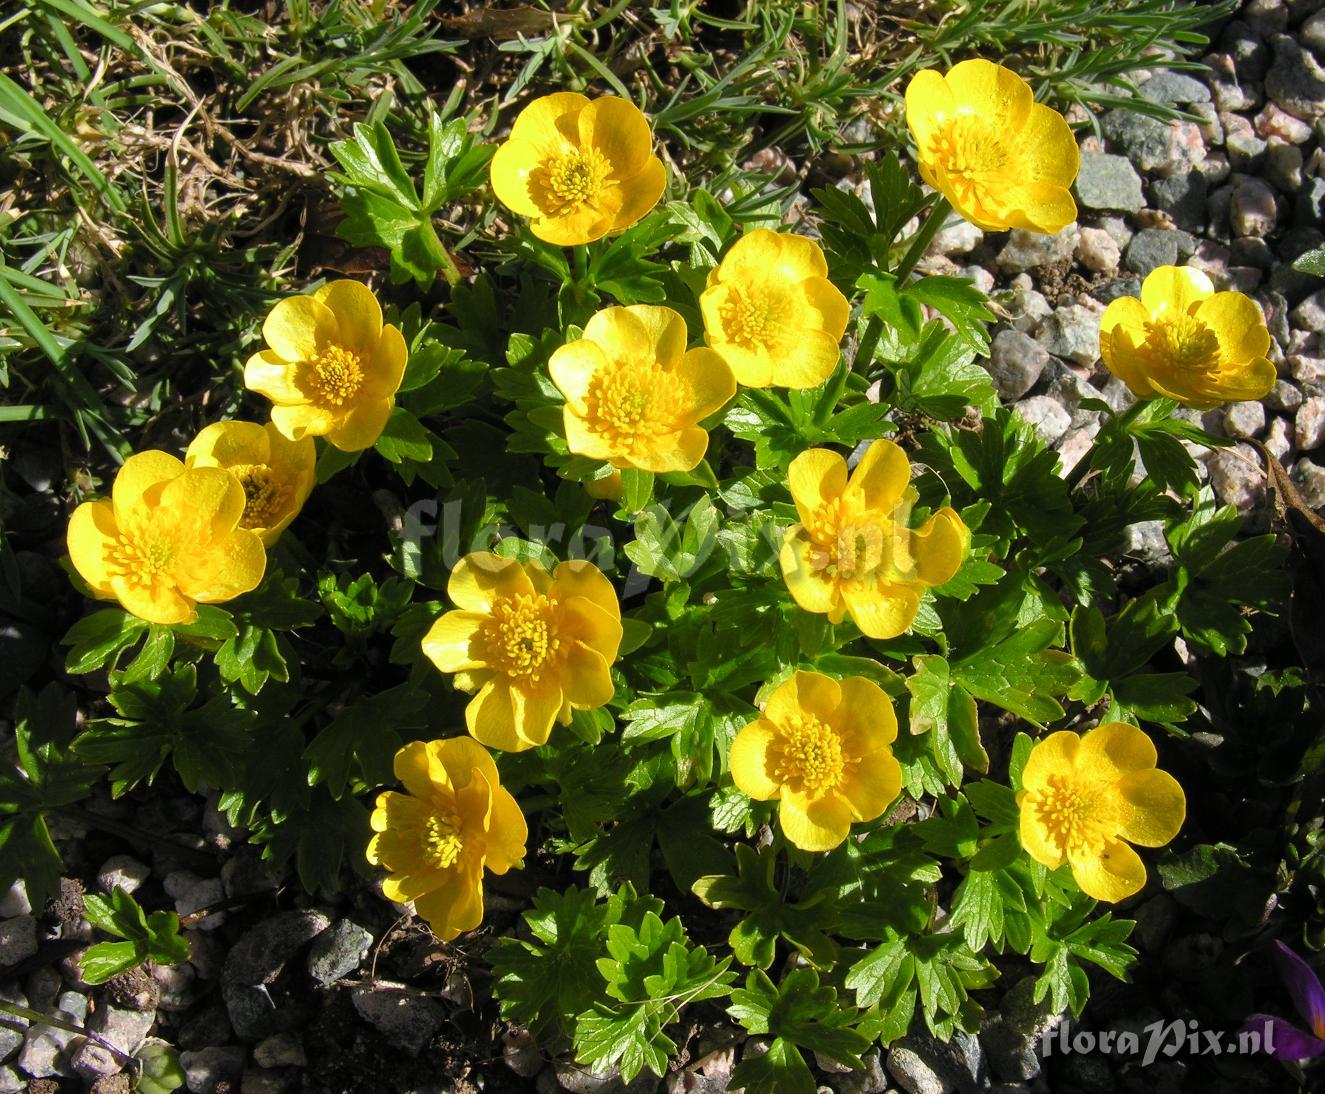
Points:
(18, 939)
(1284, 396)
(1309, 204)
(1279, 438)
(1244, 420)
(1309, 424)
(280, 1050)
(1097, 251)
(94, 1062)
(203, 893)
(1153, 145)
(1252, 210)
(403, 1018)
(15, 901)
(1072, 333)
(122, 872)
(256, 960)
(1015, 363)
(1306, 369)
(1237, 478)
(125, 1029)
(1048, 417)
(1167, 86)
(1245, 150)
(42, 1055)
(520, 1051)
(1145, 541)
(12, 1027)
(1150, 249)
(1031, 250)
(1028, 307)
(871, 1079)
(1118, 287)
(1295, 81)
(1251, 251)
(978, 276)
(269, 1082)
(337, 951)
(246, 873)
(958, 237)
(1012, 1038)
(1215, 169)
(205, 1069)
(175, 983)
(1309, 477)
(134, 989)
(1273, 123)
(1310, 313)
(932, 1066)
(1183, 196)
(1109, 182)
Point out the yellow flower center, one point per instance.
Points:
(971, 152)
(1068, 811)
(850, 544)
(264, 495)
(1182, 341)
(142, 552)
(520, 636)
(570, 180)
(440, 840)
(750, 319)
(808, 758)
(337, 376)
(632, 403)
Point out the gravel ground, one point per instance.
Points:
(284, 994)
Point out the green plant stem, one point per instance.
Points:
(37, 1018)
(938, 213)
(1124, 422)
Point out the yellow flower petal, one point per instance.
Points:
(208, 498)
(1113, 875)
(358, 314)
(617, 129)
(1252, 380)
(865, 717)
(588, 680)
(816, 478)
(872, 785)
(620, 334)
(584, 225)
(818, 824)
(142, 479)
(1150, 807)
(881, 610)
(828, 304)
(665, 331)
(1049, 146)
(273, 377)
(154, 601)
(748, 761)
(535, 710)
(224, 444)
(1110, 751)
(91, 530)
(1174, 289)
(1038, 207)
(939, 546)
(762, 255)
(231, 567)
(549, 120)
(636, 196)
(297, 422)
(802, 358)
(709, 381)
(480, 578)
(453, 908)
(1122, 333)
(449, 641)
(506, 846)
(298, 328)
(929, 101)
(1052, 755)
(580, 578)
(583, 440)
(417, 766)
(490, 717)
(804, 693)
(360, 428)
(460, 758)
(385, 364)
(997, 94)
(807, 585)
(1040, 843)
(572, 367)
(680, 451)
(1238, 324)
(881, 477)
(597, 627)
(513, 166)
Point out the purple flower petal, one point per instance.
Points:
(1282, 1040)
(1304, 986)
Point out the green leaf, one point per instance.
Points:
(404, 438)
(99, 640)
(1312, 262)
(1021, 673)
(802, 1012)
(780, 1070)
(363, 738)
(106, 959)
(961, 303)
(161, 1072)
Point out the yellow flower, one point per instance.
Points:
(608, 488)
(634, 393)
(168, 539)
(853, 551)
(1002, 159)
(331, 368)
(772, 314)
(277, 474)
(578, 169)
(822, 748)
(1081, 797)
(1184, 341)
(533, 645)
(435, 840)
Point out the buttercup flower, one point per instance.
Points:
(823, 749)
(853, 551)
(1184, 341)
(277, 474)
(331, 368)
(608, 488)
(435, 841)
(634, 393)
(578, 169)
(1082, 796)
(772, 314)
(534, 646)
(1002, 159)
(168, 539)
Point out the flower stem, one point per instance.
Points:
(938, 213)
(1123, 422)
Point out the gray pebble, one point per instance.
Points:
(1072, 333)
(1030, 250)
(1174, 87)
(1047, 415)
(1309, 477)
(337, 951)
(1309, 424)
(18, 939)
(1109, 182)
(1295, 81)
(403, 1018)
(1252, 210)
(1183, 196)
(206, 1068)
(1244, 420)
(122, 872)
